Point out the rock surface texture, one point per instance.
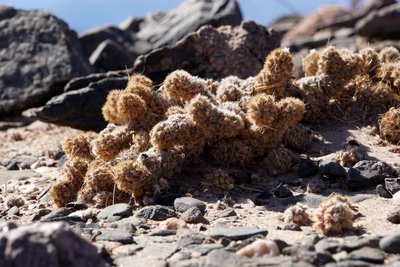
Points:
(210, 53)
(382, 23)
(38, 55)
(80, 105)
(45, 244)
(141, 35)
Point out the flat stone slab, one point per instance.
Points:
(115, 212)
(204, 249)
(182, 204)
(390, 243)
(156, 213)
(124, 237)
(6, 176)
(154, 254)
(238, 233)
(371, 255)
(163, 232)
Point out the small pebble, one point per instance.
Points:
(173, 224)
(390, 243)
(259, 248)
(12, 211)
(382, 192)
(292, 227)
(14, 200)
(394, 216)
(193, 215)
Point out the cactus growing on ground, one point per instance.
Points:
(390, 125)
(343, 84)
(66, 190)
(334, 216)
(298, 138)
(154, 134)
(218, 180)
(297, 214)
(310, 63)
(181, 86)
(275, 77)
(389, 54)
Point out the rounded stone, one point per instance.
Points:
(390, 243)
(182, 204)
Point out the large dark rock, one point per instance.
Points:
(213, 53)
(85, 81)
(115, 212)
(45, 244)
(141, 35)
(390, 243)
(350, 20)
(81, 108)
(110, 56)
(284, 23)
(367, 173)
(371, 255)
(384, 23)
(188, 17)
(331, 168)
(39, 54)
(156, 213)
(92, 38)
(121, 236)
(209, 52)
(182, 204)
(392, 185)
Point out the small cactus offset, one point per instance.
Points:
(390, 125)
(277, 73)
(297, 214)
(335, 216)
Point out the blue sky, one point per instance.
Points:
(82, 15)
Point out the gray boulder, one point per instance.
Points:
(91, 39)
(45, 244)
(284, 23)
(81, 107)
(383, 23)
(39, 54)
(141, 35)
(367, 173)
(188, 17)
(107, 50)
(350, 20)
(209, 52)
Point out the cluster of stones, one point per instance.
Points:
(155, 235)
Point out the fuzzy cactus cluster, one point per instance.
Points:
(334, 216)
(390, 125)
(155, 133)
(340, 84)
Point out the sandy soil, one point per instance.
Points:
(44, 141)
